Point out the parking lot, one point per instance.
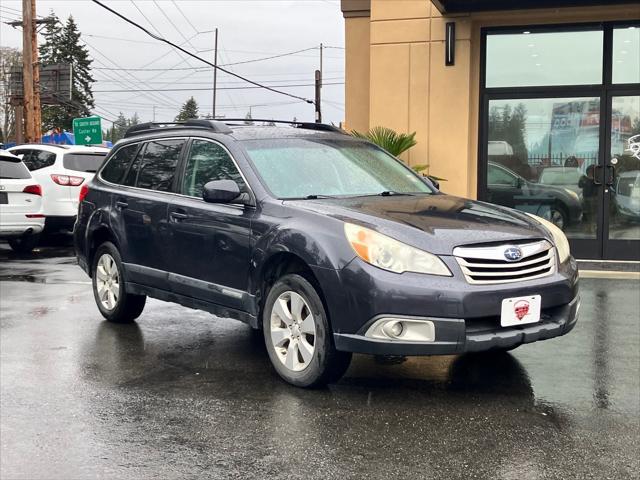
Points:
(182, 394)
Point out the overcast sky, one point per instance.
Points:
(248, 30)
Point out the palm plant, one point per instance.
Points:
(396, 143)
(393, 142)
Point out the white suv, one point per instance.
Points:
(21, 218)
(61, 170)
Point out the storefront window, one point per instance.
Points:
(626, 55)
(537, 59)
(541, 159)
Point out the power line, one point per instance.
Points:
(159, 38)
(223, 88)
(183, 15)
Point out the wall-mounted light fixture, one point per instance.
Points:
(450, 44)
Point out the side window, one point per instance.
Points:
(25, 155)
(39, 159)
(132, 174)
(208, 161)
(117, 165)
(498, 176)
(159, 164)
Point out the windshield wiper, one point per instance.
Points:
(391, 193)
(314, 196)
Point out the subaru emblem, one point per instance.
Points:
(513, 254)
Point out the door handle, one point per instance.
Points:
(177, 216)
(610, 178)
(121, 205)
(596, 172)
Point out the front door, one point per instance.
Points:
(210, 242)
(561, 110)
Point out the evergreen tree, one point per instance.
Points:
(50, 47)
(189, 110)
(63, 45)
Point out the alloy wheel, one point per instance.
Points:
(293, 331)
(107, 281)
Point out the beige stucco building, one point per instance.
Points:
(402, 73)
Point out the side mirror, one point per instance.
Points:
(220, 191)
(519, 183)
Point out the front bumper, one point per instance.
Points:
(466, 317)
(456, 336)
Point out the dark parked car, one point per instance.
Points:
(325, 242)
(562, 206)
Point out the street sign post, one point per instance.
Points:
(87, 131)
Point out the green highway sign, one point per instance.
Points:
(87, 131)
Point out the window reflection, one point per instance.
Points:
(542, 156)
(624, 223)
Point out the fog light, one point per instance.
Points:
(403, 329)
(393, 329)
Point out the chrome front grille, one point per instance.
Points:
(486, 265)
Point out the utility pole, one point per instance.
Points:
(154, 113)
(215, 72)
(318, 100)
(37, 108)
(318, 84)
(27, 71)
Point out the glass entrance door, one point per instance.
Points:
(560, 131)
(622, 179)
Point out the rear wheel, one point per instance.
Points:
(24, 244)
(298, 336)
(113, 301)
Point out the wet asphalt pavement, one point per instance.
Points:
(182, 394)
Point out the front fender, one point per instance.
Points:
(317, 246)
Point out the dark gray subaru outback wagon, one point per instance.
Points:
(325, 242)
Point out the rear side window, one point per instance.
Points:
(207, 161)
(10, 169)
(117, 165)
(159, 163)
(39, 159)
(83, 162)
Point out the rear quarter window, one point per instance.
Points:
(83, 162)
(118, 164)
(10, 169)
(38, 159)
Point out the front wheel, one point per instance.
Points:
(113, 301)
(298, 336)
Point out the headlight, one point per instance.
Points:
(559, 238)
(389, 254)
(572, 194)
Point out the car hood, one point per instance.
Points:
(437, 223)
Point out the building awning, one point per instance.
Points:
(465, 6)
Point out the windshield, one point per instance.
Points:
(301, 167)
(83, 162)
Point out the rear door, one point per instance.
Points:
(210, 242)
(141, 208)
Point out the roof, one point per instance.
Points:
(236, 128)
(465, 6)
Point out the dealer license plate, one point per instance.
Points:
(520, 310)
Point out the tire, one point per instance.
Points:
(24, 244)
(559, 217)
(112, 299)
(290, 329)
